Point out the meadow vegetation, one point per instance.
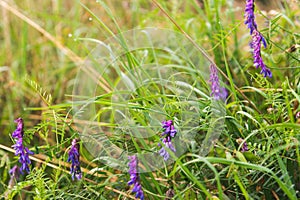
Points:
(44, 45)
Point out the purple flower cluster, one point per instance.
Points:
(74, 159)
(216, 91)
(257, 39)
(244, 147)
(169, 133)
(250, 17)
(134, 177)
(244, 144)
(21, 151)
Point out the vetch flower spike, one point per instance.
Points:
(169, 133)
(250, 17)
(216, 91)
(21, 151)
(257, 39)
(74, 159)
(134, 177)
(14, 175)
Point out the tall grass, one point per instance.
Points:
(51, 51)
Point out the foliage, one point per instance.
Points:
(46, 43)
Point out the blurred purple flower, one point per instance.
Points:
(169, 128)
(14, 175)
(298, 115)
(244, 147)
(13, 172)
(216, 91)
(169, 133)
(257, 39)
(19, 132)
(21, 151)
(244, 144)
(134, 177)
(74, 159)
(170, 194)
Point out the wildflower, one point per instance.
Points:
(298, 115)
(21, 151)
(250, 17)
(169, 133)
(13, 172)
(14, 175)
(74, 159)
(245, 146)
(134, 177)
(216, 91)
(170, 194)
(257, 39)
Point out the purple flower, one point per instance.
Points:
(216, 91)
(19, 148)
(19, 132)
(169, 133)
(169, 128)
(244, 147)
(257, 39)
(170, 194)
(244, 144)
(14, 175)
(74, 159)
(298, 115)
(134, 177)
(13, 172)
(250, 17)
